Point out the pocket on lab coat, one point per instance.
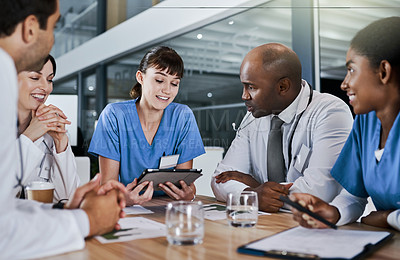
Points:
(300, 161)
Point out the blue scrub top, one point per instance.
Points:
(357, 169)
(119, 136)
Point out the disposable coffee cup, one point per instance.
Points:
(40, 191)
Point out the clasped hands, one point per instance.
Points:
(103, 204)
(48, 119)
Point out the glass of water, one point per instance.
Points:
(242, 209)
(185, 223)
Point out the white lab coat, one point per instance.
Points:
(27, 229)
(318, 139)
(43, 164)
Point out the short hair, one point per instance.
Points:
(162, 58)
(12, 12)
(379, 41)
(53, 63)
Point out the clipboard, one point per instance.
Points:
(303, 243)
(172, 175)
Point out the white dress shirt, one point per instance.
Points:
(28, 229)
(317, 141)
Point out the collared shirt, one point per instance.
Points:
(317, 141)
(288, 114)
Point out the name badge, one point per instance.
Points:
(169, 161)
(302, 158)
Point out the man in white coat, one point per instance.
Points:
(30, 229)
(314, 128)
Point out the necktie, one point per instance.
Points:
(275, 162)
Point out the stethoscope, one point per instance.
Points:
(244, 124)
(47, 152)
(20, 178)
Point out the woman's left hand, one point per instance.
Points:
(377, 218)
(185, 193)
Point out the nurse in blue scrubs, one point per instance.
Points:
(369, 164)
(133, 135)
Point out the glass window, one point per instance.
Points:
(67, 86)
(77, 25)
(89, 106)
(121, 78)
(339, 21)
(336, 34)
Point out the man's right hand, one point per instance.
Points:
(103, 211)
(268, 195)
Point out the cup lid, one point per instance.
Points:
(40, 185)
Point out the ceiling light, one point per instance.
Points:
(209, 94)
(199, 36)
(91, 88)
(231, 22)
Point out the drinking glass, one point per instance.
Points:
(242, 209)
(185, 223)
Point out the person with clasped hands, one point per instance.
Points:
(30, 229)
(46, 152)
(369, 164)
(313, 127)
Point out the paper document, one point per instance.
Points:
(218, 212)
(136, 210)
(134, 228)
(324, 243)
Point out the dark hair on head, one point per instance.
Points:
(161, 58)
(379, 41)
(53, 63)
(12, 12)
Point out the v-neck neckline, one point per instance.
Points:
(377, 137)
(143, 136)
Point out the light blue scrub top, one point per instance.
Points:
(357, 169)
(119, 136)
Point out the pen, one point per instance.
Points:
(307, 211)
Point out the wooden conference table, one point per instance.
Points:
(220, 240)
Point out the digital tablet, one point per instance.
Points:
(172, 175)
